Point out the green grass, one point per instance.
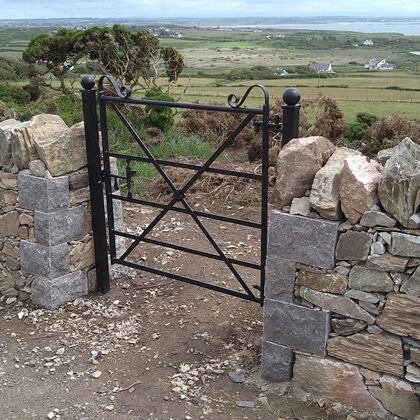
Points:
(174, 145)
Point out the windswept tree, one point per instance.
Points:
(133, 58)
(56, 54)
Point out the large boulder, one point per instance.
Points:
(325, 197)
(6, 127)
(334, 381)
(24, 137)
(399, 187)
(359, 186)
(297, 164)
(397, 396)
(401, 315)
(63, 152)
(377, 352)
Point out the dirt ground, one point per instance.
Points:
(152, 348)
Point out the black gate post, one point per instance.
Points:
(291, 109)
(95, 183)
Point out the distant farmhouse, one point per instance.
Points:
(281, 72)
(368, 42)
(279, 36)
(379, 64)
(321, 68)
(163, 32)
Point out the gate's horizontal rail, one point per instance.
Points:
(183, 165)
(189, 250)
(182, 210)
(204, 107)
(188, 280)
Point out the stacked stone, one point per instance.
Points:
(342, 314)
(45, 224)
(15, 225)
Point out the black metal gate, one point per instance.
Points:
(100, 176)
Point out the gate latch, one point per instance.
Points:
(275, 126)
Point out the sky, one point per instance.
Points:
(27, 9)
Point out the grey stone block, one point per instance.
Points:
(279, 278)
(296, 327)
(276, 362)
(60, 226)
(44, 261)
(92, 282)
(304, 240)
(42, 194)
(50, 293)
(405, 245)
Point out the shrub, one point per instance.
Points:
(12, 69)
(214, 126)
(253, 73)
(13, 95)
(355, 133)
(388, 132)
(329, 119)
(161, 117)
(6, 112)
(366, 118)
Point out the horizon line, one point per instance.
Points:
(221, 17)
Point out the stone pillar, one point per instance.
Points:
(288, 325)
(57, 226)
(46, 245)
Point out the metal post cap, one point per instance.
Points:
(291, 96)
(88, 82)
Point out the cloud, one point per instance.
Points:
(205, 8)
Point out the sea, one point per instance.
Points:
(406, 28)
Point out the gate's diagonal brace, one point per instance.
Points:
(217, 248)
(144, 148)
(178, 194)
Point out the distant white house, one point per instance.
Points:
(321, 68)
(281, 72)
(279, 36)
(175, 35)
(377, 63)
(368, 42)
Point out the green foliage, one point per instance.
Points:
(69, 108)
(11, 95)
(356, 131)
(11, 69)
(161, 117)
(58, 53)
(174, 144)
(253, 73)
(6, 112)
(366, 118)
(133, 58)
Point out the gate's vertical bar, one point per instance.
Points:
(95, 182)
(291, 109)
(107, 179)
(264, 195)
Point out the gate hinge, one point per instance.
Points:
(275, 126)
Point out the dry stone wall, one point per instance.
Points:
(46, 244)
(342, 308)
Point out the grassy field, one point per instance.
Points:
(213, 54)
(375, 92)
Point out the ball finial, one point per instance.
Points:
(87, 82)
(291, 96)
